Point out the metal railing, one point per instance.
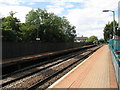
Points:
(116, 63)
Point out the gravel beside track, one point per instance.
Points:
(41, 75)
(36, 69)
(54, 79)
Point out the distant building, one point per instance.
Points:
(81, 39)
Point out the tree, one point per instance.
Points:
(50, 28)
(101, 41)
(39, 23)
(108, 30)
(10, 28)
(12, 13)
(92, 39)
(28, 32)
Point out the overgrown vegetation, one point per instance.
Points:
(92, 38)
(108, 30)
(39, 24)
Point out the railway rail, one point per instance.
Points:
(23, 62)
(37, 75)
(34, 69)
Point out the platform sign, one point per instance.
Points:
(37, 38)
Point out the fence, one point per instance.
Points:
(116, 63)
(13, 50)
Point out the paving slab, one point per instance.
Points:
(96, 71)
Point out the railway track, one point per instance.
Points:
(34, 69)
(26, 62)
(40, 74)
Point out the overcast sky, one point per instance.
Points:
(86, 15)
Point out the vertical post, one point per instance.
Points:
(113, 26)
(1, 47)
(114, 37)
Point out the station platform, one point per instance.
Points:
(96, 71)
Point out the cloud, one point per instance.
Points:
(56, 7)
(90, 20)
(102, 4)
(57, 10)
(31, 3)
(21, 11)
(16, 2)
(69, 5)
(12, 2)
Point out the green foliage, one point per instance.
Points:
(92, 39)
(101, 41)
(10, 28)
(28, 31)
(10, 35)
(50, 27)
(39, 23)
(108, 31)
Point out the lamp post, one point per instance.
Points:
(113, 23)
